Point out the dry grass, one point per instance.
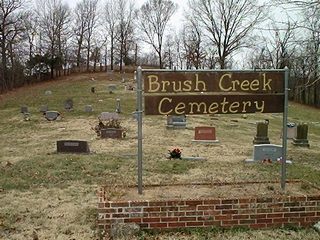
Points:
(53, 195)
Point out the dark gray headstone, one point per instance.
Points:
(68, 104)
(44, 108)
(72, 146)
(176, 121)
(51, 115)
(262, 133)
(24, 109)
(301, 138)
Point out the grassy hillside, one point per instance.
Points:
(53, 195)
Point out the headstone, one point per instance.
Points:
(301, 138)
(291, 131)
(26, 116)
(176, 121)
(93, 90)
(72, 146)
(267, 153)
(88, 108)
(262, 133)
(43, 108)
(48, 92)
(118, 105)
(24, 109)
(112, 88)
(51, 115)
(111, 133)
(68, 104)
(105, 116)
(205, 134)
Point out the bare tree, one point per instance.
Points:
(227, 23)
(154, 16)
(54, 17)
(11, 19)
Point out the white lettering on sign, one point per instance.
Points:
(71, 144)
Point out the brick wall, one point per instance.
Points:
(255, 213)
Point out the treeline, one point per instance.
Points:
(45, 39)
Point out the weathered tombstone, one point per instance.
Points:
(267, 153)
(88, 108)
(105, 116)
(24, 109)
(291, 131)
(301, 138)
(112, 88)
(205, 134)
(48, 92)
(111, 133)
(68, 104)
(26, 116)
(43, 108)
(118, 105)
(93, 90)
(72, 146)
(51, 115)
(176, 121)
(262, 133)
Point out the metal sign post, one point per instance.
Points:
(284, 134)
(139, 115)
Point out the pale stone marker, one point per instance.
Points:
(105, 116)
(267, 152)
(88, 108)
(48, 92)
(262, 133)
(112, 88)
(118, 105)
(301, 138)
(291, 131)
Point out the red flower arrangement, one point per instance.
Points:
(175, 153)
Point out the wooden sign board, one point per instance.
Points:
(222, 81)
(213, 104)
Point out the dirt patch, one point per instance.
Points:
(217, 190)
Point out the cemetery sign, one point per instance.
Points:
(209, 92)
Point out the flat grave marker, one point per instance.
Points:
(205, 135)
(72, 146)
(176, 121)
(52, 115)
(267, 152)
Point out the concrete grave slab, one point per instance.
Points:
(72, 146)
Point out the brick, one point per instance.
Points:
(308, 214)
(139, 214)
(223, 217)
(120, 215)
(229, 212)
(298, 199)
(305, 224)
(120, 204)
(292, 204)
(205, 207)
(176, 213)
(318, 213)
(176, 224)
(188, 208)
(238, 217)
(247, 211)
(187, 219)
(280, 220)
(211, 212)
(133, 220)
(194, 202)
(258, 216)
(144, 225)
(169, 219)
(107, 210)
(309, 209)
(194, 213)
(274, 225)
(157, 214)
(264, 200)
(107, 204)
(149, 220)
(247, 221)
(303, 204)
(194, 224)
(230, 201)
(275, 215)
(165, 209)
(230, 222)
(212, 223)
(157, 204)
(312, 219)
(241, 206)
(206, 218)
(158, 225)
(297, 219)
(266, 220)
(132, 210)
(223, 207)
(212, 202)
(294, 214)
(176, 203)
(258, 225)
(100, 205)
(152, 209)
(297, 209)
(139, 204)
(266, 210)
(278, 210)
(313, 198)
(275, 205)
(247, 200)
